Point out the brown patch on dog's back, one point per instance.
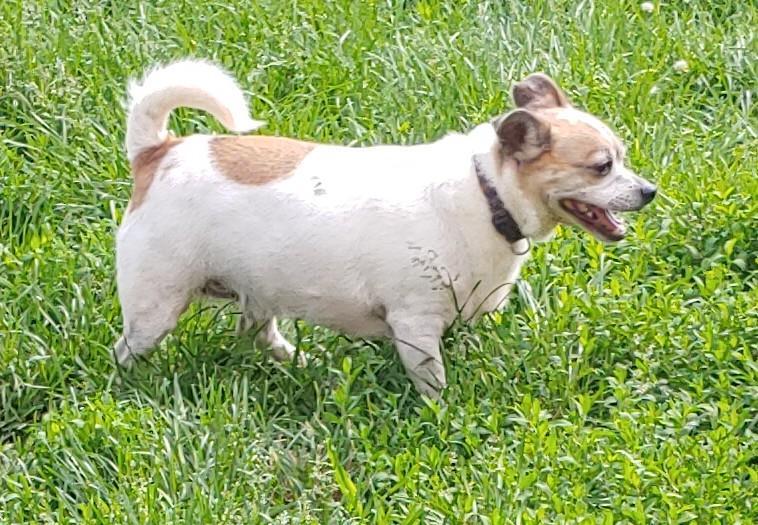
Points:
(257, 159)
(144, 167)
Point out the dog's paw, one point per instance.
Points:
(123, 354)
(429, 378)
(285, 351)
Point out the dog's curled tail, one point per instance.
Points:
(190, 83)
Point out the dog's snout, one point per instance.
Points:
(648, 192)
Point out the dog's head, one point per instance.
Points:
(568, 164)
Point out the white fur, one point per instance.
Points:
(385, 241)
(392, 241)
(189, 83)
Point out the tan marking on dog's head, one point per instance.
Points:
(572, 156)
(257, 159)
(569, 165)
(144, 168)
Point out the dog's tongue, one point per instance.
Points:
(607, 220)
(607, 223)
(599, 219)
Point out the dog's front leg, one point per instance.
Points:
(417, 339)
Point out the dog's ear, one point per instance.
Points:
(523, 135)
(539, 91)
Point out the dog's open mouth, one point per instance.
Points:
(596, 219)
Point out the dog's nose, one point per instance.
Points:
(648, 193)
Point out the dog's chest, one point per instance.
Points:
(489, 284)
(476, 273)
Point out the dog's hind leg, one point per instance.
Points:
(281, 349)
(246, 319)
(268, 334)
(151, 303)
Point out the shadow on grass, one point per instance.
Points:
(205, 358)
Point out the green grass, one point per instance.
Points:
(619, 385)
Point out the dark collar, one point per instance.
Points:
(502, 219)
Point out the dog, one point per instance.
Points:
(378, 242)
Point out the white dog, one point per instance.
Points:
(383, 241)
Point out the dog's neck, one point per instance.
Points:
(502, 219)
(527, 218)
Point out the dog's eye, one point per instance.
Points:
(604, 168)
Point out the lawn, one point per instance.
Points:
(619, 385)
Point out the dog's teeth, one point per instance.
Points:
(582, 207)
(592, 215)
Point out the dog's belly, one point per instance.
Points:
(354, 316)
(356, 324)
